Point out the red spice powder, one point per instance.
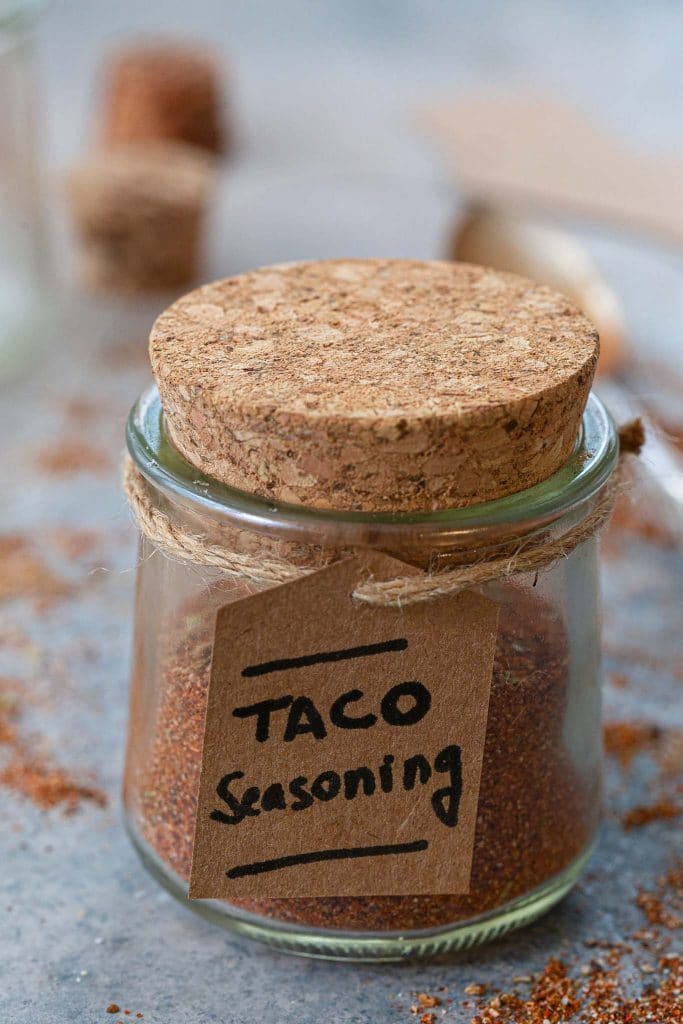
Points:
(537, 808)
(68, 456)
(48, 787)
(554, 994)
(650, 658)
(557, 998)
(7, 731)
(10, 691)
(23, 573)
(660, 1003)
(602, 992)
(670, 756)
(29, 775)
(635, 518)
(661, 810)
(665, 906)
(625, 740)
(425, 1002)
(75, 544)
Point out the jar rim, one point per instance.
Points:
(579, 479)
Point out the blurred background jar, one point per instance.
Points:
(23, 249)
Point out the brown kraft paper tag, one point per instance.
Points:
(344, 742)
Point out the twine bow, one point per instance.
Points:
(533, 554)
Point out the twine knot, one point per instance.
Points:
(537, 552)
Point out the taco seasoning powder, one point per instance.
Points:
(376, 387)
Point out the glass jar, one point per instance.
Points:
(22, 222)
(540, 786)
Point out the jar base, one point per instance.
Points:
(326, 944)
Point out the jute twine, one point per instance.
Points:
(537, 552)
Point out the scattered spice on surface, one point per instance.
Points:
(75, 544)
(475, 990)
(600, 998)
(48, 787)
(425, 1002)
(635, 518)
(664, 907)
(661, 810)
(660, 1003)
(554, 993)
(67, 456)
(28, 773)
(23, 573)
(13, 637)
(428, 1018)
(82, 410)
(657, 660)
(9, 710)
(112, 1008)
(652, 906)
(671, 753)
(628, 739)
(625, 740)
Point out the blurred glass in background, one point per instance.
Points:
(22, 215)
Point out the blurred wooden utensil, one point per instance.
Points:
(531, 152)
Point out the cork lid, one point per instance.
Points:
(163, 89)
(171, 175)
(378, 385)
(169, 66)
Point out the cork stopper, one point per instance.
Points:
(378, 385)
(163, 90)
(138, 213)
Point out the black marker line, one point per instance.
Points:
(400, 644)
(349, 853)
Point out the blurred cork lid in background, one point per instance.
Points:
(165, 90)
(376, 385)
(138, 212)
